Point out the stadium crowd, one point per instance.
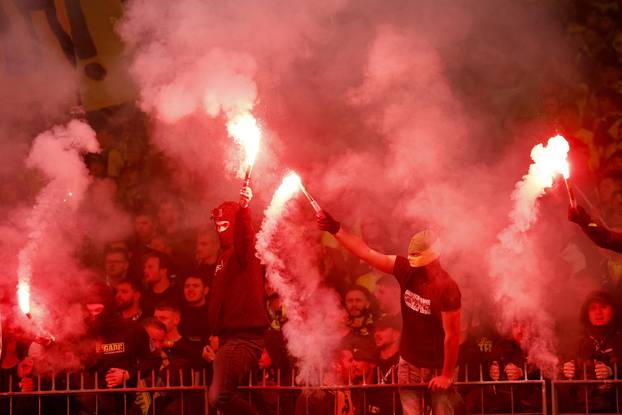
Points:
(149, 309)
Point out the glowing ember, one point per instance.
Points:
(23, 297)
(551, 160)
(246, 132)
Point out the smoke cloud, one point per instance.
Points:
(400, 115)
(291, 260)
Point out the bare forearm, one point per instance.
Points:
(359, 248)
(451, 326)
(353, 244)
(451, 347)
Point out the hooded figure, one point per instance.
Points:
(236, 305)
(598, 350)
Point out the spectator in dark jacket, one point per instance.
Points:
(598, 350)
(236, 306)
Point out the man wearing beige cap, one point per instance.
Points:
(430, 302)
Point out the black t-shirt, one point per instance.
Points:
(425, 293)
(119, 343)
(150, 299)
(193, 326)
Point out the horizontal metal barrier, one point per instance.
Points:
(586, 395)
(390, 385)
(153, 386)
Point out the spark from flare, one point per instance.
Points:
(245, 130)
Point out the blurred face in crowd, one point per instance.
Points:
(387, 296)
(356, 303)
(168, 215)
(94, 310)
(519, 331)
(94, 314)
(599, 313)
(170, 318)
(152, 273)
(208, 247)
(125, 296)
(144, 227)
(386, 336)
(195, 291)
(116, 264)
(345, 363)
(156, 337)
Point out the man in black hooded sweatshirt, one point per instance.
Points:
(236, 306)
(597, 352)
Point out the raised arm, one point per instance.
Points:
(244, 234)
(355, 245)
(599, 234)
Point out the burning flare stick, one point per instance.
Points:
(570, 190)
(310, 198)
(551, 160)
(246, 132)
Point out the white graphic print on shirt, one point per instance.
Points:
(417, 303)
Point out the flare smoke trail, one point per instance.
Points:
(216, 82)
(57, 153)
(292, 272)
(404, 114)
(514, 278)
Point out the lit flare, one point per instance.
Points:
(23, 297)
(243, 128)
(551, 160)
(288, 188)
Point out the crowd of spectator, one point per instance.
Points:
(148, 309)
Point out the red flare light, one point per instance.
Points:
(243, 128)
(23, 297)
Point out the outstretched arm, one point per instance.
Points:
(599, 234)
(355, 245)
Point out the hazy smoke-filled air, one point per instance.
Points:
(58, 155)
(313, 313)
(399, 114)
(520, 288)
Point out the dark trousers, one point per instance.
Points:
(234, 361)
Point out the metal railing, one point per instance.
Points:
(390, 385)
(70, 390)
(584, 391)
(72, 386)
